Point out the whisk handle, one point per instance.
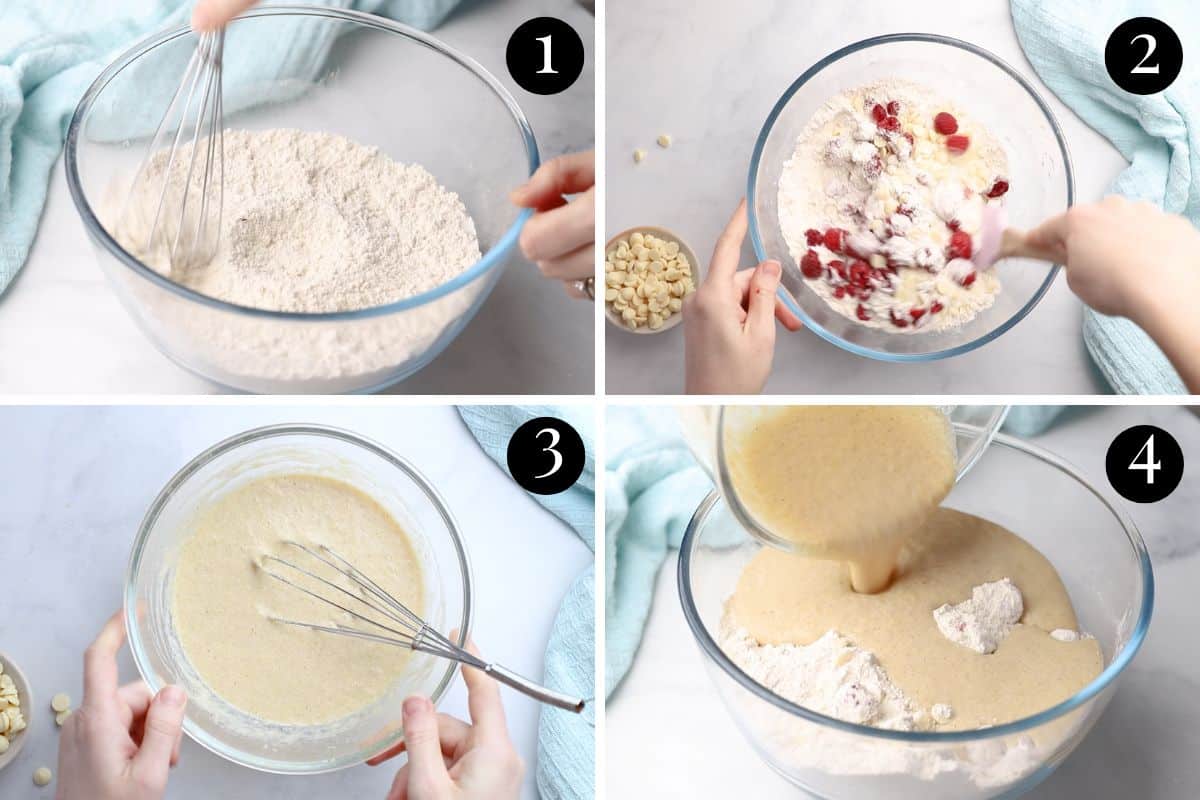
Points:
(537, 692)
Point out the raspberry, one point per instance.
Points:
(960, 245)
(999, 188)
(945, 124)
(813, 236)
(810, 265)
(873, 168)
(936, 307)
(916, 313)
(862, 313)
(860, 273)
(893, 108)
(834, 238)
(958, 144)
(838, 267)
(878, 113)
(865, 294)
(953, 224)
(967, 281)
(899, 322)
(890, 124)
(839, 292)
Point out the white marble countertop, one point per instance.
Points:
(75, 482)
(62, 330)
(1144, 745)
(708, 73)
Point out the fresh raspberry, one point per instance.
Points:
(899, 322)
(860, 273)
(890, 124)
(813, 236)
(862, 313)
(958, 144)
(878, 113)
(960, 245)
(810, 265)
(838, 267)
(893, 108)
(839, 292)
(936, 307)
(945, 124)
(916, 313)
(999, 188)
(865, 293)
(967, 281)
(953, 224)
(834, 238)
(873, 168)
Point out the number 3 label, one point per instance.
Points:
(546, 455)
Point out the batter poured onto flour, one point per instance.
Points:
(222, 601)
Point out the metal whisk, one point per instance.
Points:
(406, 629)
(190, 188)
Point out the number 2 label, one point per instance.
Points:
(1141, 68)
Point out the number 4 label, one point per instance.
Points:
(1150, 465)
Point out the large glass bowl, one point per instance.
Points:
(1000, 99)
(1103, 563)
(292, 449)
(453, 117)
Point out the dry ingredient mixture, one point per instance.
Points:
(314, 222)
(973, 629)
(881, 206)
(222, 602)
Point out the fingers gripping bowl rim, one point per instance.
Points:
(392, 481)
(329, 105)
(1047, 176)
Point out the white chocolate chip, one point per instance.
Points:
(664, 141)
(638, 155)
(42, 776)
(60, 702)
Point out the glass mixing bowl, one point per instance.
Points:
(1103, 563)
(305, 449)
(1000, 99)
(456, 120)
(708, 429)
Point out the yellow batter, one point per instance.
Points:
(222, 601)
(782, 598)
(844, 482)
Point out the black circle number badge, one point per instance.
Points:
(545, 55)
(545, 456)
(1144, 464)
(1143, 55)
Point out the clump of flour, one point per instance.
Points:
(982, 621)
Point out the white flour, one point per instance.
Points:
(897, 194)
(313, 223)
(982, 621)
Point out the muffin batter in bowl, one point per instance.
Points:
(222, 602)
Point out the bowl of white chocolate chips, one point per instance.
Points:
(15, 695)
(648, 271)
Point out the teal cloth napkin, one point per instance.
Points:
(1064, 41)
(50, 52)
(652, 487)
(566, 766)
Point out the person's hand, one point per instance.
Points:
(212, 14)
(729, 322)
(561, 236)
(451, 760)
(122, 741)
(1131, 259)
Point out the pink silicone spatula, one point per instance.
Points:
(998, 241)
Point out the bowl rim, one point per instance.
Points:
(1093, 688)
(227, 445)
(494, 258)
(777, 110)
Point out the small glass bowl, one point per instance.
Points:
(1000, 99)
(1103, 563)
(306, 449)
(460, 123)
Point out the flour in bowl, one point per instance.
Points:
(314, 222)
(881, 206)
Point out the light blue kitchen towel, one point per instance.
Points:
(50, 52)
(1159, 134)
(566, 766)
